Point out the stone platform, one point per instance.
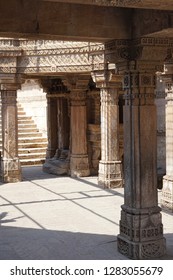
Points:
(50, 217)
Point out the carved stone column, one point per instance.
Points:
(141, 229)
(63, 123)
(79, 164)
(110, 169)
(167, 191)
(10, 164)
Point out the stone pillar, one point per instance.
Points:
(110, 168)
(141, 229)
(63, 123)
(79, 163)
(51, 126)
(167, 191)
(10, 164)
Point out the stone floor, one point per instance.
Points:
(49, 217)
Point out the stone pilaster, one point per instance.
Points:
(10, 164)
(79, 163)
(141, 229)
(110, 168)
(167, 191)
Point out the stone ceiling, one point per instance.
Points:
(144, 4)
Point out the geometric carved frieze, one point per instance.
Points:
(46, 56)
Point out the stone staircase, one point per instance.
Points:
(31, 143)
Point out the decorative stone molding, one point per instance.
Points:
(44, 56)
(118, 3)
(145, 50)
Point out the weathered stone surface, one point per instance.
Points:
(94, 149)
(10, 165)
(79, 162)
(59, 164)
(110, 169)
(143, 238)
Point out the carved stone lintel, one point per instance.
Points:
(117, 3)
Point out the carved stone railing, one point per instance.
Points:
(46, 56)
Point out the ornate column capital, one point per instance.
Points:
(146, 48)
(78, 85)
(76, 82)
(10, 83)
(106, 78)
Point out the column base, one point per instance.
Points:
(11, 170)
(141, 250)
(167, 193)
(141, 233)
(50, 153)
(79, 166)
(110, 174)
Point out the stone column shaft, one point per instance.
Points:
(63, 123)
(10, 164)
(110, 169)
(141, 229)
(79, 164)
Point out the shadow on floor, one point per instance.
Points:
(40, 244)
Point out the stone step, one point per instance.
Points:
(32, 140)
(29, 134)
(26, 162)
(25, 118)
(32, 150)
(32, 156)
(21, 114)
(32, 145)
(26, 125)
(23, 122)
(27, 130)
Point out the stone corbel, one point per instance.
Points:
(137, 54)
(106, 78)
